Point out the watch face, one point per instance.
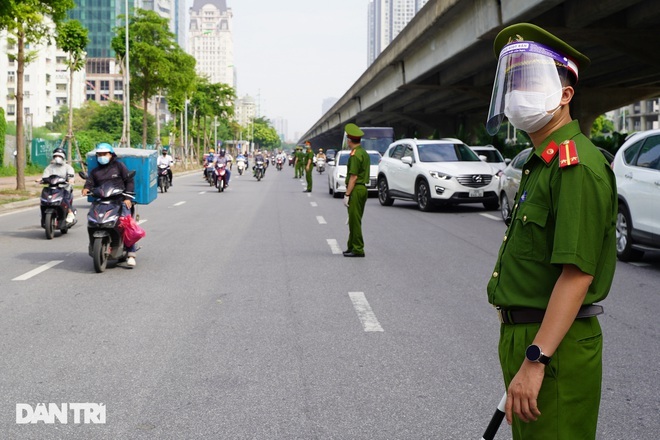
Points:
(533, 353)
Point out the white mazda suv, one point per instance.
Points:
(435, 172)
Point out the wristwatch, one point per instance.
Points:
(535, 354)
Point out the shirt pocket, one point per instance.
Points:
(530, 238)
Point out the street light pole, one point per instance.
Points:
(127, 97)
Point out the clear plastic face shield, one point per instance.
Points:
(528, 86)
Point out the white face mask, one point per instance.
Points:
(528, 111)
(103, 160)
(59, 160)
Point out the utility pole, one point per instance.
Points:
(126, 138)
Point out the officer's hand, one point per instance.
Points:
(346, 199)
(128, 203)
(85, 191)
(523, 392)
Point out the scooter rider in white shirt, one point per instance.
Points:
(168, 161)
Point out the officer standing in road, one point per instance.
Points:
(309, 165)
(357, 177)
(558, 254)
(298, 166)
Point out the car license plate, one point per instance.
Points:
(476, 193)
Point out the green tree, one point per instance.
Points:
(265, 135)
(72, 38)
(26, 27)
(150, 43)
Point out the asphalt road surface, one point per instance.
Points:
(242, 320)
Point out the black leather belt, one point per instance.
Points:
(535, 316)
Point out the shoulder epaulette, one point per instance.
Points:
(568, 154)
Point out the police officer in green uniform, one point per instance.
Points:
(300, 157)
(308, 163)
(558, 254)
(357, 177)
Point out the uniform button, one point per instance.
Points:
(495, 274)
(515, 207)
(505, 238)
(526, 171)
(524, 218)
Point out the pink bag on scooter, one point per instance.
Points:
(131, 230)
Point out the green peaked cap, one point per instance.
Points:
(353, 130)
(531, 32)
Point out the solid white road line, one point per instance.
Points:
(492, 217)
(364, 312)
(321, 220)
(334, 246)
(37, 271)
(314, 204)
(179, 203)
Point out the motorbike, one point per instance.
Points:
(208, 174)
(320, 165)
(219, 174)
(163, 178)
(259, 170)
(240, 164)
(106, 240)
(54, 206)
(279, 164)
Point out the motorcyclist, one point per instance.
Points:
(320, 155)
(208, 161)
(258, 157)
(168, 161)
(59, 167)
(220, 159)
(110, 169)
(230, 160)
(281, 156)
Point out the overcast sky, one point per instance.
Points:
(292, 54)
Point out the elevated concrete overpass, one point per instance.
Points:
(436, 77)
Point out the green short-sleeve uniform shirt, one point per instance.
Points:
(359, 164)
(561, 216)
(308, 156)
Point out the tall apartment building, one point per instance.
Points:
(638, 116)
(245, 110)
(385, 20)
(45, 84)
(104, 80)
(210, 40)
(281, 126)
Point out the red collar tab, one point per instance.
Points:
(568, 154)
(550, 152)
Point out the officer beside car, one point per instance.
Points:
(355, 197)
(558, 254)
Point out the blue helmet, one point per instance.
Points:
(105, 147)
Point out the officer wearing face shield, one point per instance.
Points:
(558, 254)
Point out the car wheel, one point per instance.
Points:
(384, 192)
(504, 206)
(423, 196)
(624, 249)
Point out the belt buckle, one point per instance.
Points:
(499, 314)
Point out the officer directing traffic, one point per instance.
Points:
(558, 254)
(355, 197)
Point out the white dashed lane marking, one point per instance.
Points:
(334, 246)
(321, 220)
(492, 217)
(37, 271)
(365, 314)
(179, 203)
(314, 204)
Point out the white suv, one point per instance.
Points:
(435, 172)
(636, 166)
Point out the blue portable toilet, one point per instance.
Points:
(144, 163)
